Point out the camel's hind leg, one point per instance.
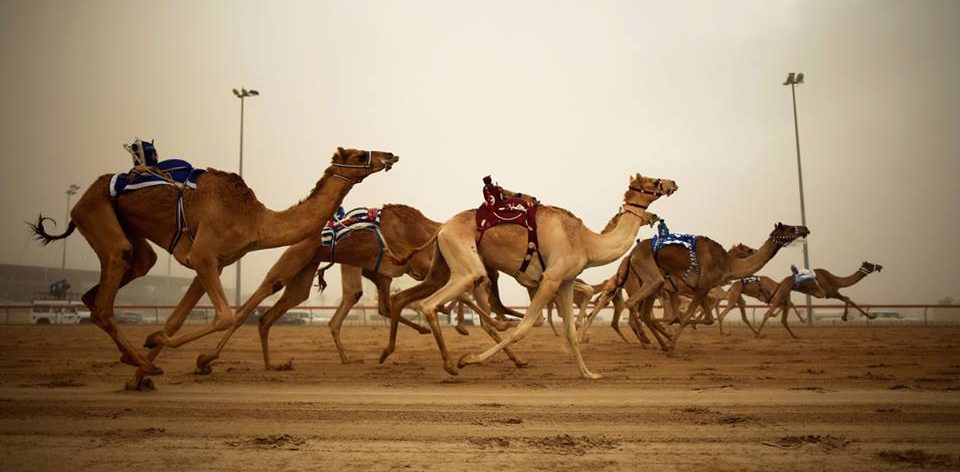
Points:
(438, 275)
(296, 291)
(488, 323)
(848, 301)
(121, 260)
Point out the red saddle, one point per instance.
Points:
(497, 210)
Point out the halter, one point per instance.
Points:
(367, 165)
(659, 192)
(863, 270)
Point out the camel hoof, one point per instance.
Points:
(844, 317)
(423, 330)
(285, 367)
(465, 360)
(205, 360)
(463, 331)
(143, 385)
(520, 363)
(203, 370)
(590, 375)
(450, 369)
(384, 355)
(760, 336)
(155, 340)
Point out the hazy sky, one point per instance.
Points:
(560, 99)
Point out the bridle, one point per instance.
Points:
(659, 192)
(366, 165)
(784, 241)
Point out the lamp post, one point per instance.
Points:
(794, 79)
(71, 191)
(242, 94)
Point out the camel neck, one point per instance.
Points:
(283, 228)
(747, 266)
(850, 279)
(614, 242)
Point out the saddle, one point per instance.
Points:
(803, 275)
(344, 224)
(497, 210)
(665, 238)
(149, 172)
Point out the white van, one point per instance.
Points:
(59, 312)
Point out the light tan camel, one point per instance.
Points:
(224, 221)
(567, 247)
(582, 295)
(716, 267)
(826, 285)
(403, 228)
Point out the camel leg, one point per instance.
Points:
(484, 313)
(615, 320)
(482, 307)
(733, 299)
(741, 303)
(797, 312)
(783, 320)
(121, 260)
(296, 292)
(550, 307)
(644, 313)
(400, 300)
(565, 294)
(351, 282)
(170, 327)
(460, 323)
(770, 313)
(850, 302)
(545, 292)
(697, 302)
(208, 270)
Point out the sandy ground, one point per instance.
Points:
(874, 398)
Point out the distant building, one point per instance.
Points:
(23, 284)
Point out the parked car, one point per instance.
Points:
(127, 317)
(46, 312)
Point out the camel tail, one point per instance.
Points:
(402, 259)
(41, 234)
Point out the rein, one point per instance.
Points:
(350, 166)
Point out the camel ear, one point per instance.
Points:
(340, 151)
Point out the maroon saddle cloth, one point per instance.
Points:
(497, 210)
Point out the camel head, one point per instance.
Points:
(645, 190)
(740, 251)
(354, 165)
(783, 234)
(869, 267)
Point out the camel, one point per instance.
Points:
(826, 285)
(715, 268)
(631, 284)
(566, 247)
(582, 295)
(403, 228)
(761, 288)
(224, 220)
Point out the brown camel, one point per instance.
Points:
(715, 268)
(566, 245)
(631, 284)
(224, 221)
(826, 285)
(760, 288)
(403, 228)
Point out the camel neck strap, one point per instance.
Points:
(342, 177)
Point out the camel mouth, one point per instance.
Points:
(389, 161)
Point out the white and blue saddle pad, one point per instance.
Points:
(749, 280)
(803, 275)
(174, 172)
(346, 223)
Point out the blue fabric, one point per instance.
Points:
(803, 275)
(180, 172)
(686, 240)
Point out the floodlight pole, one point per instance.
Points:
(241, 94)
(793, 79)
(71, 191)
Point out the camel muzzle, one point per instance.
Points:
(389, 161)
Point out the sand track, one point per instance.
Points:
(880, 398)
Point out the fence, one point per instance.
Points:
(367, 315)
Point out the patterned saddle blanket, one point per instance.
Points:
(174, 172)
(686, 240)
(497, 210)
(749, 280)
(346, 223)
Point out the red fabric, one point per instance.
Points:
(497, 210)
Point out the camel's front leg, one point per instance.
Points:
(566, 311)
(783, 320)
(170, 327)
(849, 301)
(545, 292)
(208, 270)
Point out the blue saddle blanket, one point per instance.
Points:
(344, 224)
(174, 172)
(686, 240)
